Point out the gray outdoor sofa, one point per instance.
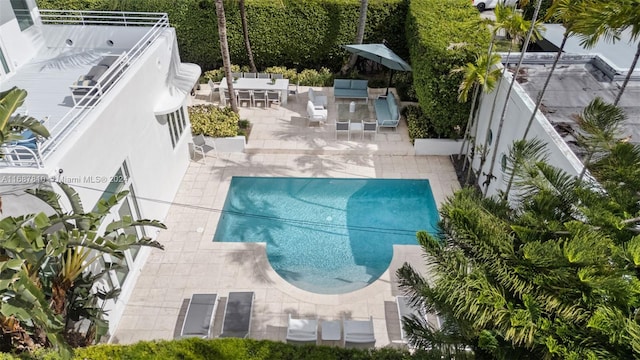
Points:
(351, 89)
(387, 112)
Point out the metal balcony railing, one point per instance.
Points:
(100, 18)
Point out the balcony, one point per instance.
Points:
(50, 77)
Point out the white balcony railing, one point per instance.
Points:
(157, 23)
(100, 18)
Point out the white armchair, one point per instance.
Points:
(318, 98)
(316, 113)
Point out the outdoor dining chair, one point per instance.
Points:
(273, 97)
(245, 96)
(260, 96)
(213, 86)
(198, 146)
(263, 75)
(370, 127)
(249, 75)
(236, 75)
(277, 76)
(343, 126)
(294, 89)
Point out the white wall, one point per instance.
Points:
(124, 126)
(93, 37)
(517, 116)
(19, 46)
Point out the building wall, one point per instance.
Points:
(124, 127)
(517, 116)
(18, 46)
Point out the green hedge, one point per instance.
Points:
(299, 34)
(232, 349)
(443, 35)
(528, 10)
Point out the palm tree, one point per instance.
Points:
(476, 76)
(245, 33)
(609, 19)
(533, 28)
(567, 12)
(545, 276)
(362, 22)
(224, 50)
(514, 25)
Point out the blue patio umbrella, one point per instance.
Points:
(381, 54)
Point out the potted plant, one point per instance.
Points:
(273, 81)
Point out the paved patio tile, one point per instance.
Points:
(280, 144)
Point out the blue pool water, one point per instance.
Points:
(328, 236)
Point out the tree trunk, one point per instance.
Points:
(224, 50)
(538, 103)
(493, 110)
(362, 22)
(471, 119)
(629, 72)
(245, 32)
(490, 175)
(467, 129)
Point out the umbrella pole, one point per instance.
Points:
(389, 84)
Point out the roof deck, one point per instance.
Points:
(72, 43)
(571, 88)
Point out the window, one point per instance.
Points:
(23, 15)
(128, 207)
(177, 123)
(3, 61)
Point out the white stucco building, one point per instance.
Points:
(581, 75)
(125, 128)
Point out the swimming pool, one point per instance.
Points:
(328, 236)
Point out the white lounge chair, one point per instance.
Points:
(302, 330)
(358, 332)
(316, 113)
(200, 315)
(237, 315)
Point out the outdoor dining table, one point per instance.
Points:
(281, 85)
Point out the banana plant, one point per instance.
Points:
(44, 265)
(12, 125)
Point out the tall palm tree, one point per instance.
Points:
(567, 12)
(533, 32)
(478, 77)
(514, 25)
(245, 33)
(362, 22)
(224, 50)
(609, 19)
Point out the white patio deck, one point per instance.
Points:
(280, 144)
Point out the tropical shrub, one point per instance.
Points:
(298, 34)
(210, 120)
(48, 286)
(308, 77)
(418, 124)
(442, 36)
